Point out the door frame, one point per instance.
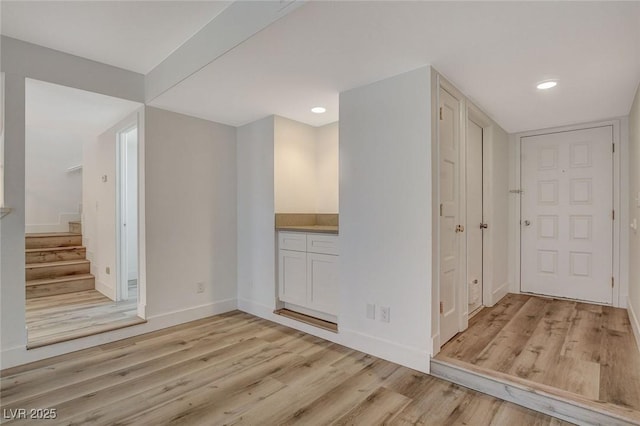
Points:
(481, 119)
(121, 239)
(620, 203)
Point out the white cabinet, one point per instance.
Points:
(322, 282)
(293, 276)
(308, 272)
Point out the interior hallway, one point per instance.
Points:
(585, 349)
(62, 317)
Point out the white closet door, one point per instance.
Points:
(449, 159)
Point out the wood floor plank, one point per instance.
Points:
(584, 338)
(239, 369)
(486, 326)
(506, 347)
(584, 349)
(380, 407)
(543, 348)
(620, 386)
(57, 318)
(574, 375)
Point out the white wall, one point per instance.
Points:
(53, 195)
(256, 209)
(385, 219)
(12, 279)
(634, 214)
(191, 210)
(327, 168)
(99, 198)
(305, 167)
(385, 215)
(189, 186)
(294, 166)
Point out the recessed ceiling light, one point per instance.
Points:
(318, 110)
(548, 84)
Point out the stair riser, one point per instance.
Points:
(57, 271)
(55, 256)
(76, 228)
(60, 288)
(53, 241)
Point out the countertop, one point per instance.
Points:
(321, 229)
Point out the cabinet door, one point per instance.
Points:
(322, 281)
(292, 276)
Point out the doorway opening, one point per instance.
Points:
(72, 239)
(127, 188)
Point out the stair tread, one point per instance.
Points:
(34, 250)
(53, 234)
(57, 263)
(42, 281)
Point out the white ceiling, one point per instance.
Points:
(88, 114)
(134, 35)
(494, 52)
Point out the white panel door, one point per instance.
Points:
(474, 215)
(567, 214)
(322, 282)
(449, 151)
(292, 276)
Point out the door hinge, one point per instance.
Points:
(440, 209)
(440, 113)
(614, 147)
(611, 282)
(613, 215)
(441, 308)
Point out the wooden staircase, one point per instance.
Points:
(56, 263)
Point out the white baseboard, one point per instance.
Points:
(635, 324)
(435, 344)
(108, 291)
(499, 293)
(19, 355)
(61, 226)
(372, 345)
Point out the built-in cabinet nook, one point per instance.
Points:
(306, 222)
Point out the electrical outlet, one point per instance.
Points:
(199, 287)
(371, 311)
(385, 314)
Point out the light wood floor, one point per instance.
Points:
(582, 348)
(54, 319)
(239, 369)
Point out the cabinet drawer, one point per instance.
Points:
(292, 241)
(324, 244)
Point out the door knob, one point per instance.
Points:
(526, 223)
(459, 228)
(483, 226)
